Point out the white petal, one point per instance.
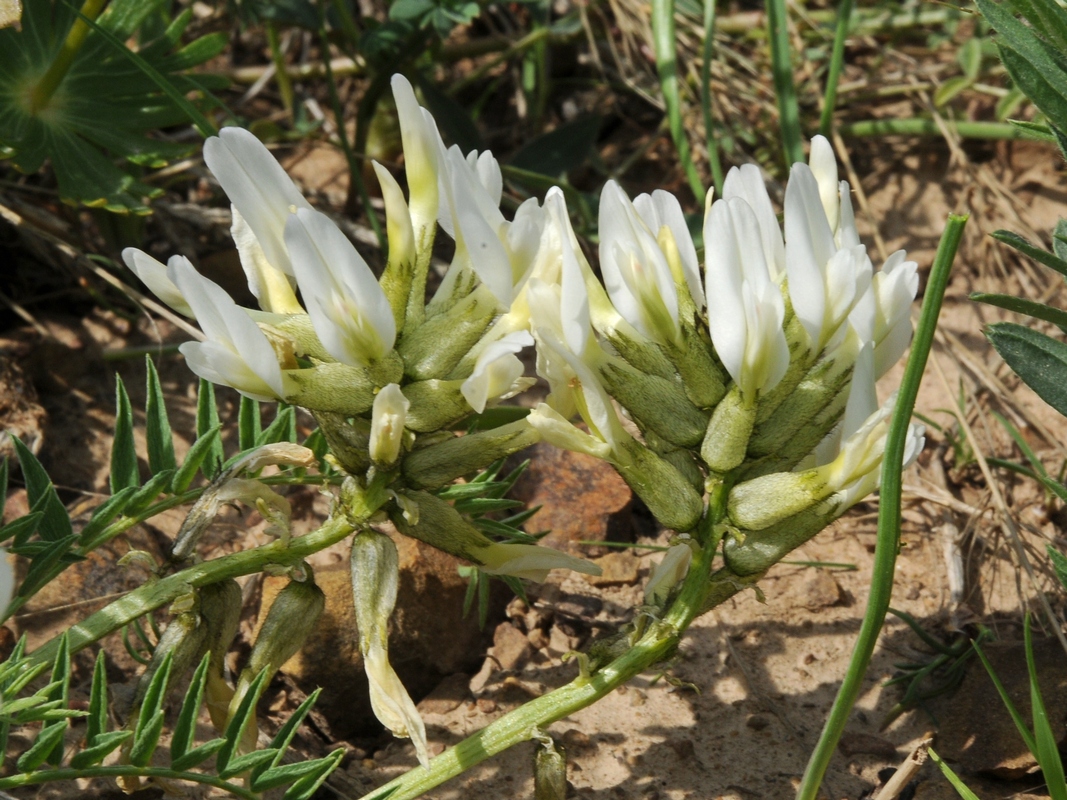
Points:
(270, 286)
(154, 275)
(747, 183)
(388, 417)
(348, 308)
(392, 704)
(258, 186)
(809, 245)
(421, 141)
(531, 561)
(662, 208)
(823, 165)
(496, 370)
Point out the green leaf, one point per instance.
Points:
(103, 746)
(96, 724)
(1038, 359)
(1021, 306)
(1047, 752)
(50, 737)
(957, 784)
(249, 424)
(280, 743)
(279, 776)
(1059, 240)
(948, 90)
(1049, 18)
(282, 429)
(3, 485)
(561, 150)
(241, 718)
(185, 727)
(969, 57)
(198, 755)
(151, 717)
(207, 420)
(22, 528)
(1040, 82)
(304, 788)
(204, 450)
(1059, 564)
(246, 762)
(144, 496)
(123, 452)
(40, 571)
(1019, 243)
(104, 513)
(157, 425)
(55, 524)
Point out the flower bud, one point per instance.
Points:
(349, 442)
(754, 552)
(183, 641)
(668, 573)
(375, 575)
(439, 343)
(433, 466)
(759, 503)
(435, 404)
(654, 402)
(387, 425)
(726, 440)
(702, 374)
(341, 388)
(440, 525)
(291, 618)
(550, 770)
(220, 609)
(400, 268)
(669, 496)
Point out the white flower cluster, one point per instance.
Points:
(752, 374)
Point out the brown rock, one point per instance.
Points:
(429, 637)
(616, 569)
(511, 648)
(581, 497)
(853, 743)
(976, 731)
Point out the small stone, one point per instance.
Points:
(757, 722)
(820, 590)
(574, 740)
(486, 706)
(537, 638)
(511, 648)
(560, 643)
(638, 698)
(616, 569)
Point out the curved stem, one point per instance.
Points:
(885, 554)
(837, 60)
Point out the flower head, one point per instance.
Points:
(154, 275)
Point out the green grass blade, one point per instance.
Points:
(241, 718)
(1016, 717)
(249, 423)
(1041, 256)
(961, 788)
(96, 724)
(664, 39)
(55, 524)
(889, 512)
(204, 450)
(1047, 752)
(837, 62)
(1059, 564)
(157, 425)
(784, 88)
(707, 52)
(282, 429)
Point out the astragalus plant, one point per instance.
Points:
(735, 395)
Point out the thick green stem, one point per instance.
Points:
(885, 554)
(50, 81)
(918, 126)
(158, 593)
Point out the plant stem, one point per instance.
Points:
(918, 126)
(698, 594)
(667, 67)
(46, 87)
(157, 593)
(285, 83)
(784, 89)
(885, 554)
(124, 770)
(706, 96)
(837, 60)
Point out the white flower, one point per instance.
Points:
(258, 188)
(893, 288)
(636, 273)
(421, 141)
(829, 270)
(270, 286)
(661, 210)
(745, 307)
(153, 274)
(391, 703)
(397, 218)
(746, 182)
(497, 372)
(348, 308)
(236, 352)
(388, 416)
(530, 561)
(668, 573)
